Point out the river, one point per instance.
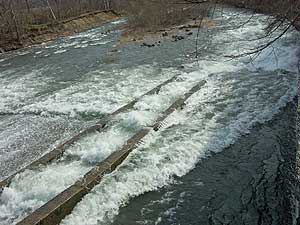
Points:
(225, 158)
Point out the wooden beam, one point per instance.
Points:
(62, 205)
(58, 151)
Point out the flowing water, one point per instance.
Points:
(224, 159)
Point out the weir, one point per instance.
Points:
(58, 151)
(62, 205)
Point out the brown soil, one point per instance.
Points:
(140, 35)
(48, 32)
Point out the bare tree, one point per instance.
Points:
(107, 5)
(58, 5)
(284, 15)
(27, 6)
(51, 10)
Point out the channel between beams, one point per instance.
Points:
(62, 205)
(58, 151)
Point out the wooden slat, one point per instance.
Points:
(60, 206)
(58, 151)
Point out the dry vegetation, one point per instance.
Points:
(284, 14)
(152, 15)
(156, 14)
(148, 16)
(22, 19)
(288, 10)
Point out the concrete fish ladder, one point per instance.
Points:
(62, 205)
(58, 151)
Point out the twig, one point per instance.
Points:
(260, 49)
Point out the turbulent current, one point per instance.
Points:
(225, 158)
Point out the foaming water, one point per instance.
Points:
(97, 36)
(88, 151)
(60, 51)
(27, 130)
(237, 96)
(16, 91)
(188, 136)
(249, 37)
(34, 188)
(102, 92)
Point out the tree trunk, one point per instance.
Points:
(27, 6)
(51, 10)
(107, 4)
(16, 25)
(57, 2)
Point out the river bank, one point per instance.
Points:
(174, 32)
(46, 32)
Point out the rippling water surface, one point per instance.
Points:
(214, 162)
